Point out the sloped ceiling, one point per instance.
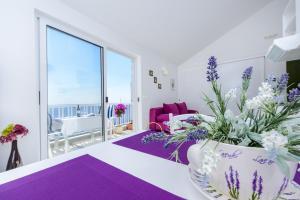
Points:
(174, 29)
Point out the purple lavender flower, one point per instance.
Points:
(260, 186)
(247, 73)
(257, 186)
(271, 79)
(212, 74)
(195, 135)
(227, 180)
(293, 94)
(233, 183)
(153, 137)
(286, 183)
(231, 175)
(254, 181)
(283, 186)
(237, 181)
(283, 81)
(166, 143)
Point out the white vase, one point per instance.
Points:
(244, 171)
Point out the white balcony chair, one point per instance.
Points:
(110, 127)
(54, 133)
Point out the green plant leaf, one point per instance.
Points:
(233, 135)
(245, 142)
(293, 136)
(255, 137)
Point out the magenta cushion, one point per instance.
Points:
(162, 117)
(182, 108)
(171, 108)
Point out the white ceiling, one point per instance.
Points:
(174, 29)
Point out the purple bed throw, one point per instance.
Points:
(83, 178)
(157, 149)
(154, 148)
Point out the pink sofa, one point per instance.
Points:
(160, 115)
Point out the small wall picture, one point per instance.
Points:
(159, 86)
(155, 79)
(151, 72)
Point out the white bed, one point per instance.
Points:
(168, 175)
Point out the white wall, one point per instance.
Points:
(249, 39)
(19, 68)
(298, 16)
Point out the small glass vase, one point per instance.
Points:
(14, 159)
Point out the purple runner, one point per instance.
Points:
(154, 148)
(83, 178)
(157, 149)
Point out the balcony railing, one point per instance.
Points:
(70, 110)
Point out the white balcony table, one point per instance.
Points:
(168, 175)
(72, 125)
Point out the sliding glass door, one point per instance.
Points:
(71, 92)
(120, 90)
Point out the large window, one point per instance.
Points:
(74, 74)
(73, 113)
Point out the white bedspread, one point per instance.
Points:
(168, 175)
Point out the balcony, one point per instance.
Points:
(71, 127)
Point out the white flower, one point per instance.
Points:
(265, 89)
(273, 140)
(229, 115)
(265, 96)
(266, 93)
(253, 103)
(209, 162)
(231, 93)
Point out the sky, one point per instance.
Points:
(118, 77)
(74, 75)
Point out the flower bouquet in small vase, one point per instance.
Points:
(249, 155)
(11, 134)
(119, 111)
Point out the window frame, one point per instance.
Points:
(43, 23)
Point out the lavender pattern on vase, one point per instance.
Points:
(257, 187)
(230, 155)
(282, 187)
(261, 160)
(233, 183)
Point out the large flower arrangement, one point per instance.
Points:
(120, 109)
(11, 133)
(269, 120)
